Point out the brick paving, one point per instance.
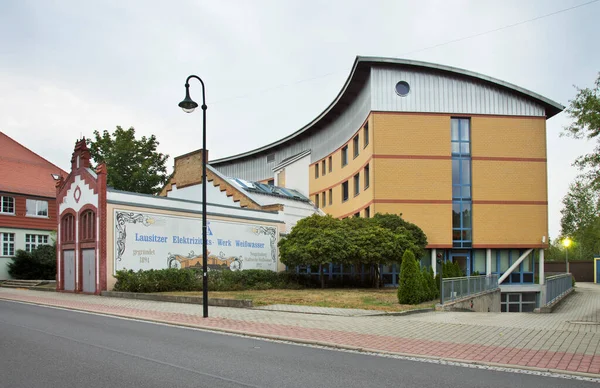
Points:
(567, 340)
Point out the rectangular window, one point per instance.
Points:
(461, 182)
(479, 260)
(356, 215)
(344, 156)
(367, 182)
(368, 212)
(366, 134)
(324, 167)
(330, 196)
(37, 208)
(33, 241)
(356, 146)
(8, 244)
(324, 202)
(356, 184)
(330, 164)
(316, 170)
(345, 191)
(270, 158)
(317, 200)
(7, 205)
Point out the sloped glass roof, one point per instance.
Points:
(261, 188)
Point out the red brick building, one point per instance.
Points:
(27, 200)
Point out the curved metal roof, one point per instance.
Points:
(359, 74)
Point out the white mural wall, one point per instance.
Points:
(157, 241)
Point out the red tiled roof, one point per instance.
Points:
(25, 172)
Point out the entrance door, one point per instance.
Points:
(88, 258)
(463, 258)
(69, 270)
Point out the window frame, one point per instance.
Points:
(330, 164)
(345, 155)
(356, 145)
(33, 241)
(367, 178)
(317, 200)
(11, 205)
(330, 196)
(323, 199)
(317, 170)
(8, 244)
(356, 179)
(366, 135)
(345, 191)
(37, 209)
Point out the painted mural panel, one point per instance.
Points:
(156, 241)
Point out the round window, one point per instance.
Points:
(402, 88)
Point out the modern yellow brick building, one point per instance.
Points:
(458, 153)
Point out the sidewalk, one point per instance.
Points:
(567, 340)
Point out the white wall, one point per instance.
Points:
(293, 211)
(19, 244)
(194, 193)
(296, 175)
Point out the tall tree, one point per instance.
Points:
(315, 241)
(133, 165)
(585, 111)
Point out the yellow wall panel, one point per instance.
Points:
(509, 224)
(509, 181)
(411, 134)
(517, 137)
(413, 179)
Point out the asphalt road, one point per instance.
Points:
(47, 348)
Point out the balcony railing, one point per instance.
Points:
(458, 288)
(557, 286)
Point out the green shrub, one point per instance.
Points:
(161, 280)
(410, 285)
(429, 284)
(39, 264)
(164, 280)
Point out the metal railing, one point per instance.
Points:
(557, 286)
(457, 288)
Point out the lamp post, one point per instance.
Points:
(188, 105)
(566, 243)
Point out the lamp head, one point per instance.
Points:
(188, 105)
(566, 242)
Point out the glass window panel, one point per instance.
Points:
(30, 206)
(455, 171)
(464, 130)
(464, 149)
(479, 261)
(514, 256)
(514, 298)
(527, 267)
(456, 148)
(465, 172)
(504, 260)
(455, 234)
(42, 208)
(466, 215)
(528, 297)
(456, 215)
(515, 277)
(456, 191)
(466, 235)
(465, 192)
(513, 308)
(454, 129)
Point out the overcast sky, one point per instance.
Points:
(68, 68)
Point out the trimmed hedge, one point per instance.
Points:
(164, 280)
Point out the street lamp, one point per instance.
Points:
(566, 243)
(188, 105)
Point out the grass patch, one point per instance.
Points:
(366, 299)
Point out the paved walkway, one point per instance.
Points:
(567, 340)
